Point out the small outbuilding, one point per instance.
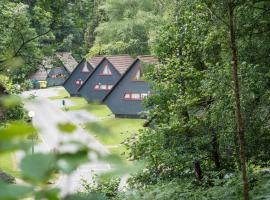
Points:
(63, 65)
(39, 78)
(125, 98)
(104, 76)
(80, 74)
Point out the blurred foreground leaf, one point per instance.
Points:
(16, 130)
(38, 167)
(67, 162)
(10, 101)
(11, 191)
(51, 194)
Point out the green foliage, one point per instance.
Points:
(127, 28)
(107, 188)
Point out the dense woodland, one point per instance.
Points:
(207, 132)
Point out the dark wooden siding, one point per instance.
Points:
(70, 84)
(116, 102)
(87, 90)
(57, 81)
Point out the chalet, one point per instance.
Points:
(65, 64)
(103, 78)
(39, 78)
(125, 98)
(80, 74)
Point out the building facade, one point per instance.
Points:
(103, 78)
(125, 98)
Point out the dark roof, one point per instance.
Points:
(40, 75)
(68, 61)
(121, 62)
(146, 59)
(83, 60)
(94, 61)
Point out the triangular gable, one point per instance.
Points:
(85, 68)
(138, 74)
(106, 70)
(149, 60)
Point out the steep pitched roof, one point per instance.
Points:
(145, 59)
(148, 59)
(40, 75)
(121, 62)
(68, 61)
(94, 61)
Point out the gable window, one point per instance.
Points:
(103, 87)
(85, 68)
(79, 82)
(135, 96)
(138, 74)
(106, 70)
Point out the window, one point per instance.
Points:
(85, 68)
(138, 74)
(97, 86)
(127, 96)
(106, 70)
(79, 82)
(58, 76)
(144, 95)
(103, 87)
(135, 96)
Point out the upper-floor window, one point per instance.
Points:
(103, 87)
(106, 70)
(135, 95)
(85, 68)
(79, 82)
(138, 74)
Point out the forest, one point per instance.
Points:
(207, 131)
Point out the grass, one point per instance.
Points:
(109, 130)
(8, 163)
(96, 109)
(113, 131)
(62, 93)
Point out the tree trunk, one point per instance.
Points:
(198, 171)
(215, 151)
(238, 117)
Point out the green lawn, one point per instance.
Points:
(113, 131)
(99, 110)
(109, 130)
(8, 163)
(62, 93)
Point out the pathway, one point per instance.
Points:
(47, 116)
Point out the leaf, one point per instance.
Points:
(16, 130)
(66, 127)
(51, 194)
(68, 162)
(11, 191)
(38, 167)
(10, 101)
